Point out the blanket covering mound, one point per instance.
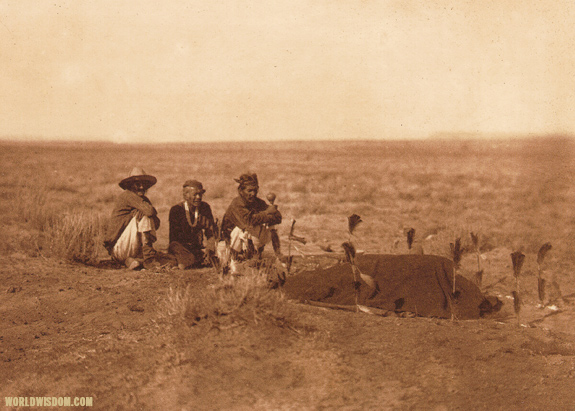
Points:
(419, 284)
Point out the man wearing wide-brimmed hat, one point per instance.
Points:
(247, 221)
(192, 222)
(133, 224)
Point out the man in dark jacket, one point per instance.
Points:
(133, 224)
(190, 221)
(248, 219)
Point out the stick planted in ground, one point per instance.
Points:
(517, 258)
(293, 237)
(352, 222)
(410, 237)
(540, 280)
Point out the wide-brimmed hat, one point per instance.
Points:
(195, 184)
(138, 174)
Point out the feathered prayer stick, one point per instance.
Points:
(349, 249)
(540, 280)
(517, 258)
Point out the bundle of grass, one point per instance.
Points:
(517, 259)
(76, 237)
(479, 272)
(540, 280)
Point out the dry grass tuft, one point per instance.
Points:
(233, 301)
(76, 237)
(57, 232)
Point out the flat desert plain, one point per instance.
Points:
(73, 324)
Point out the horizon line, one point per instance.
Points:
(439, 136)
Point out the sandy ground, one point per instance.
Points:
(73, 330)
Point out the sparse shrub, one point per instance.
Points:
(76, 237)
(233, 301)
(59, 233)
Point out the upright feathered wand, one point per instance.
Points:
(410, 237)
(540, 280)
(349, 249)
(517, 258)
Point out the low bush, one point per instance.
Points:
(233, 301)
(76, 237)
(56, 232)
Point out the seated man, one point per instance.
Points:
(246, 223)
(189, 221)
(133, 224)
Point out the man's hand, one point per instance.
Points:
(272, 209)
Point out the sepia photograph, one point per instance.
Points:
(287, 205)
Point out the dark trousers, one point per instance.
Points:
(185, 256)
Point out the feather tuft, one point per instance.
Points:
(517, 258)
(292, 227)
(352, 222)
(542, 252)
(475, 240)
(456, 251)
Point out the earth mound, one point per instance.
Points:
(419, 284)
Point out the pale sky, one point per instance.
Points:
(190, 70)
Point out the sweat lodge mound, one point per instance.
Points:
(417, 284)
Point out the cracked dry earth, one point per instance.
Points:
(72, 330)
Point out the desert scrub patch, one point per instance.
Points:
(75, 237)
(232, 301)
(56, 231)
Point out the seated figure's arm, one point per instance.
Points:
(142, 204)
(259, 214)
